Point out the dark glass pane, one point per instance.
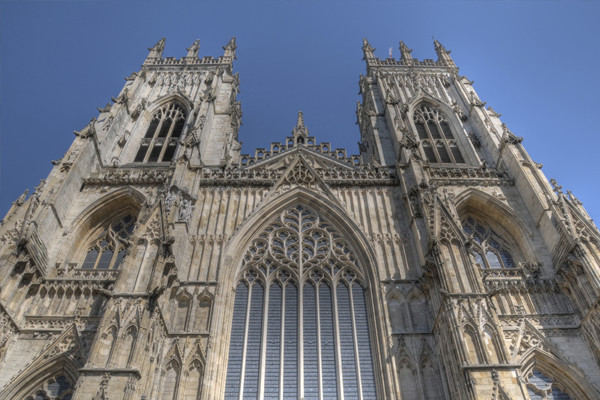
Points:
(105, 259)
(155, 152)
(328, 370)
(347, 343)
(479, 260)
(493, 260)
(429, 154)
(273, 344)
(507, 259)
(253, 345)
(152, 128)
(364, 343)
(119, 259)
(141, 153)
(236, 344)
(290, 374)
(457, 156)
(178, 128)
(435, 133)
(164, 129)
(444, 156)
(540, 380)
(168, 156)
(446, 130)
(90, 259)
(59, 386)
(421, 130)
(311, 376)
(558, 394)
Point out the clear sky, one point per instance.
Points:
(536, 62)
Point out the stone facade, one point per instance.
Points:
(157, 262)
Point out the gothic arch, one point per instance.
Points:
(456, 126)
(176, 96)
(572, 382)
(258, 220)
(486, 208)
(330, 211)
(121, 202)
(34, 376)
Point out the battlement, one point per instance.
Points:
(406, 60)
(155, 57)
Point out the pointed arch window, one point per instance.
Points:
(491, 251)
(437, 140)
(56, 388)
(160, 142)
(300, 325)
(108, 249)
(542, 387)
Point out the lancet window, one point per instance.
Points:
(491, 251)
(437, 140)
(108, 250)
(541, 387)
(160, 142)
(300, 327)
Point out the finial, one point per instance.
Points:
(230, 49)
(156, 51)
(368, 51)
(443, 54)
(405, 52)
(193, 50)
(300, 132)
(557, 188)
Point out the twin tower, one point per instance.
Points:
(158, 262)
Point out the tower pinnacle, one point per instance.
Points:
(405, 52)
(443, 54)
(300, 132)
(230, 49)
(193, 49)
(156, 51)
(368, 51)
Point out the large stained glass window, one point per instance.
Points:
(300, 328)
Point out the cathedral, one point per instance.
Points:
(158, 262)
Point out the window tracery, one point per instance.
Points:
(491, 251)
(300, 327)
(160, 142)
(542, 387)
(57, 388)
(108, 250)
(437, 140)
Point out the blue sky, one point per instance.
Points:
(536, 62)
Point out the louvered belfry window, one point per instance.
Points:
(437, 140)
(160, 142)
(300, 326)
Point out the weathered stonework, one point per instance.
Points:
(122, 275)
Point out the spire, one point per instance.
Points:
(405, 53)
(193, 50)
(156, 51)
(300, 132)
(443, 54)
(230, 49)
(368, 51)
